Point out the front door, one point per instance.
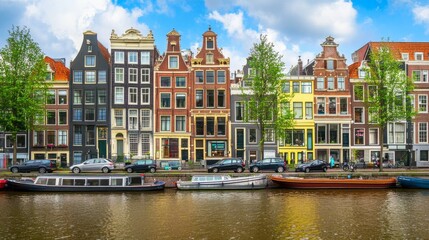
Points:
(63, 158)
(120, 149)
(102, 148)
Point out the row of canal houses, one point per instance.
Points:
(133, 102)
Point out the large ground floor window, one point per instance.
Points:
(170, 147)
(216, 148)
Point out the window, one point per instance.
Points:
(134, 143)
(332, 105)
(102, 97)
(416, 75)
(297, 110)
(62, 117)
(286, 87)
(330, 64)
(418, 56)
(50, 97)
(424, 75)
(38, 138)
(306, 87)
(145, 58)
(77, 114)
(221, 76)
(423, 132)
(295, 88)
(308, 110)
(199, 99)
(221, 98)
(320, 105)
(210, 44)
(210, 126)
(77, 156)
(77, 76)
(165, 82)
(252, 135)
(320, 83)
(210, 76)
(89, 114)
(77, 135)
(132, 96)
(62, 97)
(331, 84)
(180, 82)
(180, 123)
(89, 97)
(165, 100)
(221, 126)
(89, 61)
(358, 115)
(209, 58)
(102, 114)
(359, 135)
(200, 126)
(145, 119)
(341, 83)
(119, 118)
(373, 136)
(132, 75)
(343, 106)
(269, 135)
(358, 93)
(180, 100)
(210, 98)
(294, 138)
(199, 76)
(132, 57)
(423, 103)
(145, 75)
(102, 76)
(119, 75)
(165, 123)
(145, 95)
(90, 135)
(145, 140)
(173, 62)
(50, 118)
(119, 95)
(424, 156)
(119, 57)
(321, 133)
(405, 56)
(62, 137)
(396, 132)
(133, 123)
(239, 111)
(170, 147)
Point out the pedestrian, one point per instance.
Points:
(332, 161)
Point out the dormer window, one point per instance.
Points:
(418, 56)
(173, 62)
(209, 58)
(90, 61)
(210, 44)
(405, 56)
(89, 48)
(330, 64)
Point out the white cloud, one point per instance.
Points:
(421, 15)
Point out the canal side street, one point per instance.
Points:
(172, 176)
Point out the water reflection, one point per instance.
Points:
(265, 214)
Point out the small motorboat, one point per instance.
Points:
(223, 182)
(413, 182)
(334, 183)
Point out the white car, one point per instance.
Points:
(93, 165)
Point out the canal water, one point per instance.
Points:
(261, 214)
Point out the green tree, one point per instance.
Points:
(23, 88)
(264, 95)
(387, 93)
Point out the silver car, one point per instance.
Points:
(93, 165)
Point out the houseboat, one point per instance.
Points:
(223, 182)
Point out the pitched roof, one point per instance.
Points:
(104, 51)
(398, 48)
(353, 70)
(61, 71)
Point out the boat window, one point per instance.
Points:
(93, 182)
(210, 178)
(51, 181)
(68, 182)
(41, 181)
(104, 182)
(218, 178)
(79, 182)
(117, 181)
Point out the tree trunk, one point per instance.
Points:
(262, 142)
(14, 157)
(382, 127)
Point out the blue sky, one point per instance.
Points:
(296, 27)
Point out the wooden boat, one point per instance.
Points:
(2, 183)
(83, 183)
(334, 183)
(413, 182)
(223, 182)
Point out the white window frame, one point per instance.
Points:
(86, 61)
(405, 56)
(375, 138)
(418, 55)
(170, 62)
(160, 100)
(133, 93)
(87, 77)
(145, 75)
(425, 104)
(118, 113)
(119, 99)
(143, 95)
(133, 114)
(119, 75)
(146, 119)
(133, 73)
(175, 102)
(423, 131)
(119, 57)
(131, 56)
(145, 57)
(184, 124)
(168, 129)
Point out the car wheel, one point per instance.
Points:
(152, 170)
(105, 170)
(325, 169)
(76, 170)
(307, 170)
(255, 169)
(129, 170)
(179, 168)
(42, 170)
(14, 170)
(215, 170)
(280, 169)
(239, 169)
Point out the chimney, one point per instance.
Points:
(299, 65)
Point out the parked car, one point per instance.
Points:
(147, 165)
(273, 164)
(93, 165)
(315, 165)
(172, 165)
(235, 164)
(41, 166)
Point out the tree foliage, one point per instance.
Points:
(264, 93)
(22, 83)
(387, 93)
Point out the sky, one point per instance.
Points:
(296, 27)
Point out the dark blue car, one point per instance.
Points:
(315, 165)
(270, 164)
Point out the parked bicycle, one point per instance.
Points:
(349, 166)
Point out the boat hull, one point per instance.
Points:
(413, 182)
(328, 183)
(239, 183)
(2, 183)
(29, 186)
